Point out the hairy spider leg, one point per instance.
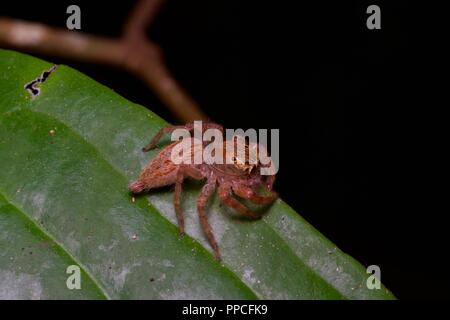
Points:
(183, 171)
(170, 129)
(226, 195)
(270, 180)
(206, 192)
(163, 131)
(248, 193)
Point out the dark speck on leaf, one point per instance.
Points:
(31, 86)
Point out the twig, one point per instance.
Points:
(141, 17)
(133, 52)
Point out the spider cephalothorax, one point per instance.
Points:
(240, 177)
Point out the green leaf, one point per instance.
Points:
(66, 158)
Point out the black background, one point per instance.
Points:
(342, 96)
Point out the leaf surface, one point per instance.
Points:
(67, 156)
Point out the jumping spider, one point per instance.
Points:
(240, 178)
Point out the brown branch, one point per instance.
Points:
(140, 18)
(133, 52)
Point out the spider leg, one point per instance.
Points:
(177, 200)
(269, 182)
(192, 172)
(206, 192)
(162, 132)
(182, 172)
(225, 194)
(169, 129)
(250, 194)
(269, 179)
(212, 125)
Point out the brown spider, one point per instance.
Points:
(240, 178)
